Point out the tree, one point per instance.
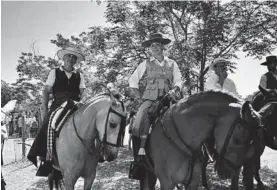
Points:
(6, 93)
(201, 31)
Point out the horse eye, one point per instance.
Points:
(113, 125)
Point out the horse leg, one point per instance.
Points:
(69, 180)
(148, 182)
(235, 182)
(89, 180)
(166, 184)
(51, 181)
(260, 185)
(195, 178)
(248, 174)
(204, 171)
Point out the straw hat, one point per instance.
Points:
(73, 51)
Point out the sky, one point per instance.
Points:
(23, 23)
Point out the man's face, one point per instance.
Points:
(69, 61)
(156, 48)
(272, 66)
(221, 69)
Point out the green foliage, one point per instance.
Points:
(200, 32)
(6, 93)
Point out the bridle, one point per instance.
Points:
(195, 156)
(102, 142)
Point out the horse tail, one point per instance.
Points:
(55, 177)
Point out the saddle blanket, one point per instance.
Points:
(56, 121)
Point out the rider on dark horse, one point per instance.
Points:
(268, 84)
(269, 80)
(162, 76)
(66, 84)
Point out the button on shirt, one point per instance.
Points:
(228, 84)
(138, 73)
(52, 76)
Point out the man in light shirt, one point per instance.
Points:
(269, 80)
(162, 76)
(65, 84)
(218, 79)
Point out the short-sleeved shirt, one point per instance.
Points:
(228, 84)
(52, 76)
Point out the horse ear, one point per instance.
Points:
(267, 109)
(248, 113)
(112, 98)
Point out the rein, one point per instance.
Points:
(220, 156)
(194, 156)
(104, 140)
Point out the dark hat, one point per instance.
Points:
(270, 59)
(155, 38)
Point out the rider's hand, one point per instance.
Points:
(272, 93)
(175, 93)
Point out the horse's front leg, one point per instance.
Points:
(248, 174)
(89, 173)
(195, 178)
(260, 185)
(235, 182)
(89, 180)
(148, 182)
(204, 171)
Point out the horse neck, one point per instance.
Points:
(197, 122)
(92, 112)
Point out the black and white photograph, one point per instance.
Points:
(139, 95)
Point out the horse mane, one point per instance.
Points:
(203, 96)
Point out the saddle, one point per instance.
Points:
(56, 121)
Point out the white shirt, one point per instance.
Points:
(263, 81)
(140, 70)
(228, 84)
(52, 76)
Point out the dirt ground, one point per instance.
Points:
(114, 176)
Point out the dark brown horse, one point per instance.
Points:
(267, 107)
(176, 140)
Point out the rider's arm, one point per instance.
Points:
(47, 91)
(177, 76)
(135, 78)
(263, 81)
(82, 86)
(212, 83)
(45, 96)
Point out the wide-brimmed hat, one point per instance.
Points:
(270, 59)
(218, 60)
(155, 38)
(73, 51)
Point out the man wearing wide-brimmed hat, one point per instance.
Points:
(269, 80)
(218, 78)
(162, 76)
(65, 84)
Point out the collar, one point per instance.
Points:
(61, 68)
(154, 59)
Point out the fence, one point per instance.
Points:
(13, 149)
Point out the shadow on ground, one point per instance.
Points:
(114, 176)
(41, 184)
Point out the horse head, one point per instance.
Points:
(235, 146)
(110, 123)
